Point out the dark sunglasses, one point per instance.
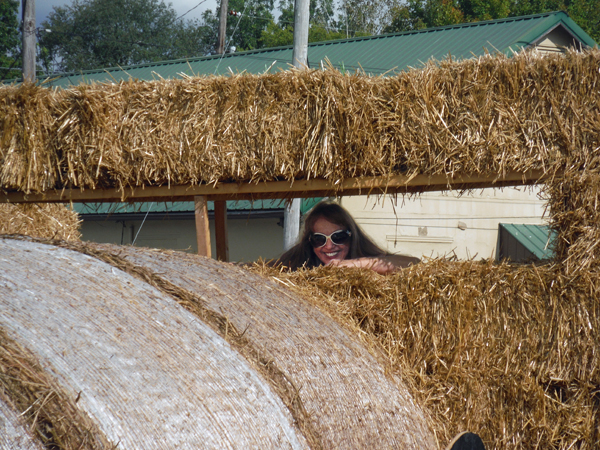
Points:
(339, 237)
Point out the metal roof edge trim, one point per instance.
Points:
(579, 32)
(436, 29)
(517, 231)
(561, 19)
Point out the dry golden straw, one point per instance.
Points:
(49, 221)
(509, 352)
(489, 115)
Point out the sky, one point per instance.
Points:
(44, 7)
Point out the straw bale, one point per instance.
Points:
(149, 373)
(43, 406)
(575, 208)
(48, 221)
(341, 396)
(507, 351)
(486, 115)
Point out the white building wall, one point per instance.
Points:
(444, 223)
(249, 239)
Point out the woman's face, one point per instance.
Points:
(329, 251)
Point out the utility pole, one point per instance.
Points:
(28, 24)
(222, 27)
(220, 206)
(291, 214)
(301, 18)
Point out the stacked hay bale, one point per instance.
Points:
(509, 352)
(574, 202)
(46, 221)
(485, 116)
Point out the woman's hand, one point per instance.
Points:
(381, 264)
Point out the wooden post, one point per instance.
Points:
(291, 216)
(28, 23)
(221, 230)
(202, 226)
(301, 23)
(291, 223)
(220, 48)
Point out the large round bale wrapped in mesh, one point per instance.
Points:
(166, 350)
(14, 433)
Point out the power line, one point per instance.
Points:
(230, 37)
(190, 10)
(312, 22)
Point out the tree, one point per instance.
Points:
(418, 14)
(321, 12)
(585, 12)
(276, 36)
(587, 15)
(476, 10)
(245, 24)
(323, 26)
(89, 34)
(365, 17)
(9, 39)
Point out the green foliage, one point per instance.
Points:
(321, 19)
(282, 33)
(245, 31)
(276, 36)
(323, 26)
(319, 33)
(321, 13)
(474, 10)
(418, 14)
(9, 38)
(360, 17)
(88, 34)
(9, 26)
(587, 16)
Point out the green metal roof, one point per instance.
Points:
(374, 54)
(538, 239)
(175, 207)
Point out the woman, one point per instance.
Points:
(332, 237)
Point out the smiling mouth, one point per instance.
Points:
(331, 255)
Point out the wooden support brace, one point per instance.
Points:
(202, 225)
(281, 189)
(221, 230)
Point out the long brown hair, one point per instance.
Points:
(302, 254)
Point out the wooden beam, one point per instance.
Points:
(202, 225)
(221, 230)
(281, 189)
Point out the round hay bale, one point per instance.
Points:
(148, 372)
(14, 434)
(349, 400)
